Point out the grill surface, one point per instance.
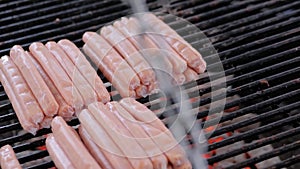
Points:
(257, 41)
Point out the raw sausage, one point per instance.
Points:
(65, 110)
(120, 135)
(98, 134)
(143, 43)
(179, 64)
(117, 80)
(157, 130)
(61, 80)
(24, 119)
(29, 105)
(85, 69)
(129, 53)
(71, 144)
(192, 57)
(34, 80)
(8, 158)
(57, 154)
(116, 64)
(94, 149)
(157, 157)
(86, 91)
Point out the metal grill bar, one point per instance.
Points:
(254, 132)
(263, 157)
(254, 145)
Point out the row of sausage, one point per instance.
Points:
(115, 135)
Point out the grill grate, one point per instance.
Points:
(257, 42)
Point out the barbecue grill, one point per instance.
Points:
(257, 42)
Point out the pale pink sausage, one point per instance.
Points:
(116, 64)
(85, 69)
(86, 91)
(46, 123)
(22, 117)
(118, 82)
(121, 136)
(57, 154)
(71, 144)
(143, 43)
(178, 79)
(190, 75)
(8, 158)
(65, 110)
(34, 80)
(30, 107)
(157, 157)
(156, 129)
(129, 53)
(141, 91)
(94, 149)
(179, 64)
(100, 137)
(57, 74)
(192, 57)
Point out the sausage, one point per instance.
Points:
(94, 149)
(129, 53)
(71, 144)
(56, 73)
(179, 64)
(121, 136)
(46, 123)
(85, 69)
(101, 138)
(179, 79)
(116, 64)
(191, 56)
(65, 110)
(34, 80)
(57, 154)
(8, 158)
(86, 91)
(141, 91)
(190, 75)
(159, 161)
(29, 106)
(157, 130)
(118, 82)
(23, 118)
(143, 43)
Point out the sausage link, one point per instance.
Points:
(85, 69)
(86, 91)
(29, 105)
(59, 77)
(192, 57)
(59, 157)
(94, 149)
(157, 130)
(71, 144)
(157, 157)
(121, 136)
(8, 158)
(129, 53)
(118, 82)
(34, 80)
(179, 64)
(103, 140)
(22, 117)
(65, 110)
(116, 64)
